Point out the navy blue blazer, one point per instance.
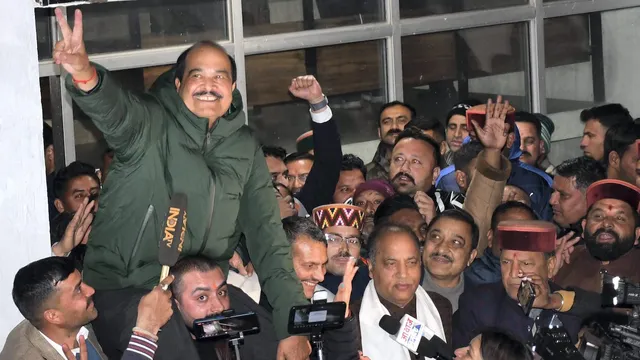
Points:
(489, 306)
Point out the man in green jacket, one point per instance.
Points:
(188, 135)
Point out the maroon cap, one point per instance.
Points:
(527, 235)
(613, 189)
(381, 186)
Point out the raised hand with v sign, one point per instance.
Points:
(71, 53)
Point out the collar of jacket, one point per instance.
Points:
(194, 126)
(381, 157)
(490, 260)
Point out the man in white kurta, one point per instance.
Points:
(395, 270)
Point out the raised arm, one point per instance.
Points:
(492, 170)
(321, 183)
(122, 116)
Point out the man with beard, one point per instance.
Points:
(621, 152)
(611, 233)
(391, 121)
(369, 196)
(352, 174)
(457, 128)
(414, 168)
(342, 225)
(570, 184)
(452, 238)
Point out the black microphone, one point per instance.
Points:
(173, 232)
(416, 337)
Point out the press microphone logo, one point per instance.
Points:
(170, 229)
(411, 333)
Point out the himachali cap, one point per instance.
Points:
(304, 143)
(613, 189)
(338, 215)
(381, 186)
(527, 235)
(482, 110)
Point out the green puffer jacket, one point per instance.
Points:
(162, 148)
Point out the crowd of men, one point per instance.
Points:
(445, 224)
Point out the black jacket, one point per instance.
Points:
(489, 306)
(358, 284)
(321, 183)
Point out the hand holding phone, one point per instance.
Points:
(526, 296)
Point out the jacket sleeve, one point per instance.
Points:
(485, 194)
(139, 348)
(259, 219)
(465, 320)
(342, 344)
(124, 117)
(321, 183)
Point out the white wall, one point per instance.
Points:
(23, 194)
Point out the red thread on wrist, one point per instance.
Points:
(84, 82)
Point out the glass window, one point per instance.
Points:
(264, 17)
(43, 33)
(417, 8)
(90, 144)
(575, 62)
(143, 24)
(441, 69)
(352, 76)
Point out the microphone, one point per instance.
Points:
(174, 230)
(416, 337)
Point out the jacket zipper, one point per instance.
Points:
(139, 237)
(212, 197)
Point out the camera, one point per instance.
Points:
(552, 341)
(227, 325)
(615, 336)
(307, 319)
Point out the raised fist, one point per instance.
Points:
(307, 88)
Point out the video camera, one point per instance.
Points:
(616, 337)
(612, 337)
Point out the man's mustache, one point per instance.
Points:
(605, 231)
(526, 153)
(398, 175)
(441, 256)
(394, 131)
(210, 92)
(342, 254)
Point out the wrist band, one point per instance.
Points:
(320, 105)
(568, 299)
(145, 333)
(93, 76)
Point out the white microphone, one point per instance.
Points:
(416, 337)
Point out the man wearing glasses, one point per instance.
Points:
(342, 226)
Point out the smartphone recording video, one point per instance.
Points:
(224, 327)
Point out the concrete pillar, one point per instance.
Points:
(23, 194)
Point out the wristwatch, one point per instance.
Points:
(320, 105)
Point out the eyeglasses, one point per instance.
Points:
(335, 239)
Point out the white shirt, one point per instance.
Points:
(322, 116)
(82, 332)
